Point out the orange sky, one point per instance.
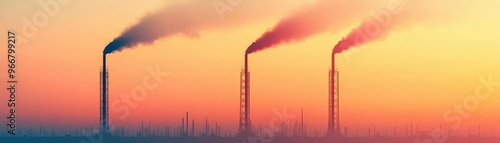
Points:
(415, 73)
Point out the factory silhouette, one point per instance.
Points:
(287, 131)
(293, 28)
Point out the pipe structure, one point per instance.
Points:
(333, 106)
(104, 126)
(247, 96)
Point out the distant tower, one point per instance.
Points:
(192, 129)
(333, 101)
(302, 123)
(104, 118)
(245, 124)
(206, 126)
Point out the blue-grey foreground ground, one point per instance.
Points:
(241, 140)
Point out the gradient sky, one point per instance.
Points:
(415, 74)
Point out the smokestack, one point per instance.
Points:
(104, 126)
(247, 95)
(104, 84)
(333, 72)
(334, 100)
(245, 122)
(332, 94)
(187, 123)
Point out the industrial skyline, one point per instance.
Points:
(288, 128)
(191, 71)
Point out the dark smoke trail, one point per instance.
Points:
(323, 16)
(180, 18)
(190, 17)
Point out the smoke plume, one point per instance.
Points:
(190, 17)
(171, 20)
(401, 14)
(323, 16)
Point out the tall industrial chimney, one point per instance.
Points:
(247, 96)
(245, 123)
(333, 105)
(104, 119)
